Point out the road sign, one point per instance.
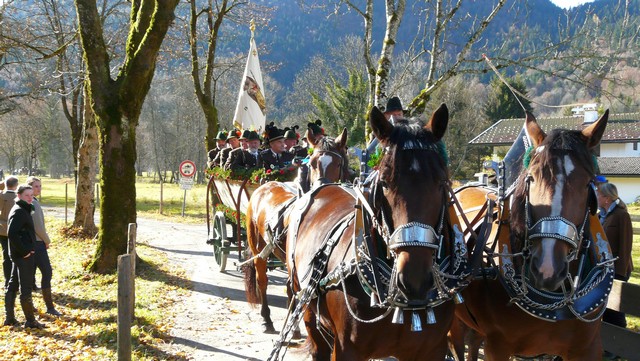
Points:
(187, 168)
(186, 183)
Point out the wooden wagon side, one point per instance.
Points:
(234, 194)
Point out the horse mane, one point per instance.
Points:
(420, 142)
(329, 144)
(558, 143)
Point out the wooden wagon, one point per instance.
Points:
(234, 194)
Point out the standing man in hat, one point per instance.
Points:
(232, 143)
(7, 200)
(276, 156)
(221, 143)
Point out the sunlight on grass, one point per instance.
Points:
(88, 328)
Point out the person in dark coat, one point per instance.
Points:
(22, 242)
(232, 143)
(276, 156)
(237, 152)
(291, 137)
(617, 226)
(221, 143)
(7, 200)
(250, 158)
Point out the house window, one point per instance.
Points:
(635, 146)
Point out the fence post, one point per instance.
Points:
(66, 196)
(125, 282)
(161, 188)
(131, 250)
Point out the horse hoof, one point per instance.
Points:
(296, 335)
(268, 328)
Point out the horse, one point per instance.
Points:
(357, 254)
(549, 288)
(267, 214)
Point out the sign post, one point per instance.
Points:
(187, 171)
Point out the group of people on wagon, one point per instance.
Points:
(281, 148)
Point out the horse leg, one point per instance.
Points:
(291, 301)
(496, 350)
(456, 339)
(315, 344)
(261, 279)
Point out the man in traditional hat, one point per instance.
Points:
(249, 158)
(221, 143)
(276, 156)
(315, 130)
(291, 141)
(392, 110)
(232, 143)
(236, 152)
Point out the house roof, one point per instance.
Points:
(620, 166)
(621, 128)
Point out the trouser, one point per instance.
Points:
(6, 260)
(22, 276)
(41, 259)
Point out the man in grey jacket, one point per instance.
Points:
(42, 244)
(7, 200)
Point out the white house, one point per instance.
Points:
(618, 154)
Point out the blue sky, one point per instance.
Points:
(570, 3)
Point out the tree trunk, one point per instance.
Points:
(86, 174)
(118, 197)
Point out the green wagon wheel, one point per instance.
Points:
(220, 243)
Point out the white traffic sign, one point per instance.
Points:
(187, 168)
(186, 183)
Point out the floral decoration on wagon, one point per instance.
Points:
(256, 175)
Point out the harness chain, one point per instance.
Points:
(320, 260)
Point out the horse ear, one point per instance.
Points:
(381, 127)
(341, 140)
(533, 129)
(310, 138)
(594, 132)
(439, 121)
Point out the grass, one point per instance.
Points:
(147, 196)
(88, 328)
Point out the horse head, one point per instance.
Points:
(329, 162)
(553, 199)
(410, 200)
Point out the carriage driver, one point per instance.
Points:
(291, 141)
(246, 158)
(393, 109)
(221, 143)
(276, 156)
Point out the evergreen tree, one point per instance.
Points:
(502, 103)
(344, 106)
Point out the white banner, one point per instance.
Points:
(251, 107)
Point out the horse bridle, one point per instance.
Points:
(556, 227)
(322, 179)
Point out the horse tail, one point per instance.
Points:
(250, 283)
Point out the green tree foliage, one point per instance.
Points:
(344, 106)
(503, 104)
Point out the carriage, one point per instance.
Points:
(234, 196)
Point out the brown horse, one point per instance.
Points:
(398, 222)
(552, 264)
(267, 216)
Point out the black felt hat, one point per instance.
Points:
(316, 127)
(393, 104)
(252, 135)
(273, 133)
(221, 136)
(245, 134)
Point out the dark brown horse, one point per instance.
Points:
(398, 221)
(552, 264)
(267, 216)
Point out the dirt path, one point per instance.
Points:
(214, 322)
